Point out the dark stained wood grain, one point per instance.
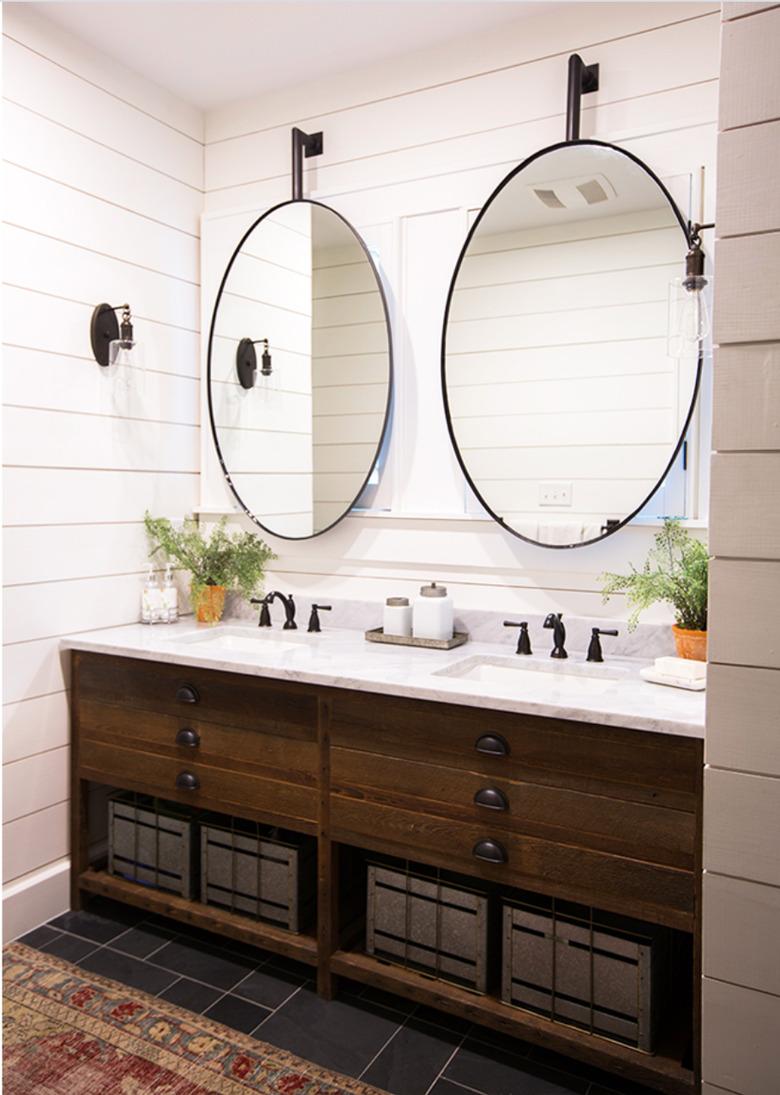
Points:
(259, 751)
(222, 789)
(638, 830)
(632, 764)
(614, 883)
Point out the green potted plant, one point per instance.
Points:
(217, 562)
(675, 572)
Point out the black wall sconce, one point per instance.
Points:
(110, 338)
(246, 361)
(582, 80)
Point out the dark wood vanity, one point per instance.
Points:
(596, 815)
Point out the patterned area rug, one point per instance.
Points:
(70, 1033)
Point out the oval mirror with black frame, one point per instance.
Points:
(567, 400)
(299, 369)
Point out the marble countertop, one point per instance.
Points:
(342, 658)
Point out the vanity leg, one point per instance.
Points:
(328, 855)
(79, 797)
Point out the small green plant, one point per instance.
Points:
(675, 572)
(233, 560)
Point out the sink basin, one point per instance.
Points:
(555, 678)
(240, 640)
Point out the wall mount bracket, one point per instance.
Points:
(583, 79)
(104, 329)
(303, 144)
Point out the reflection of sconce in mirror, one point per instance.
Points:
(689, 313)
(246, 361)
(113, 343)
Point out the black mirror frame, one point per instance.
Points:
(685, 228)
(390, 378)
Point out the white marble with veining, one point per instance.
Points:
(342, 658)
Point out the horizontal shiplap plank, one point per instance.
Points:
(35, 840)
(66, 270)
(742, 594)
(745, 505)
(741, 822)
(34, 669)
(49, 609)
(742, 719)
(749, 89)
(48, 206)
(740, 932)
(746, 397)
(738, 9)
(748, 167)
(53, 439)
(49, 148)
(100, 69)
(44, 380)
(46, 87)
(35, 783)
(42, 554)
(739, 1037)
(35, 726)
(747, 305)
(62, 496)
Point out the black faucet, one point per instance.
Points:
(314, 619)
(594, 650)
(289, 610)
(523, 640)
(554, 621)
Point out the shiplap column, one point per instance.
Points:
(741, 963)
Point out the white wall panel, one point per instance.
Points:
(103, 195)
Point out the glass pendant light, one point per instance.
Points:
(689, 302)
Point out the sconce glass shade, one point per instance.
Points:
(689, 316)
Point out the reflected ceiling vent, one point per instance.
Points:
(575, 193)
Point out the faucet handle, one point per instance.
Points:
(523, 639)
(265, 614)
(314, 618)
(594, 649)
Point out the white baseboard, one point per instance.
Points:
(35, 898)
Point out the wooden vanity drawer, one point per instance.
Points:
(228, 698)
(188, 738)
(227, 790)
(635, 829)
(615, 883)
(630, 764)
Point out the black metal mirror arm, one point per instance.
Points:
(303, 144)
(582, 80)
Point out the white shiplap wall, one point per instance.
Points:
(741, 890)
(410, 149)
(103, 182)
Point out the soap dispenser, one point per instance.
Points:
(170, 598)
(151, 599)
(432, 613)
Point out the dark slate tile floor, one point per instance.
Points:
(397, 1046)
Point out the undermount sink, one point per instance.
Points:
(556, 677)
(240, 640)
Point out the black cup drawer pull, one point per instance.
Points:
(187, 693)
(188, 737)
(491, 798)
(490, 851)
(187, 781)
(492, 745)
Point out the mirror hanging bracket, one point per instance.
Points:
(303, 144)
(582, 80)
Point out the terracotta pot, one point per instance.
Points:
(690, 644)
(210, 604)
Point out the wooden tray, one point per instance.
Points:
(377, 635)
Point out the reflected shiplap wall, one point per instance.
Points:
(103, 182)
(349, 377)
(573, 319)
(741, 961)
(410, 149)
